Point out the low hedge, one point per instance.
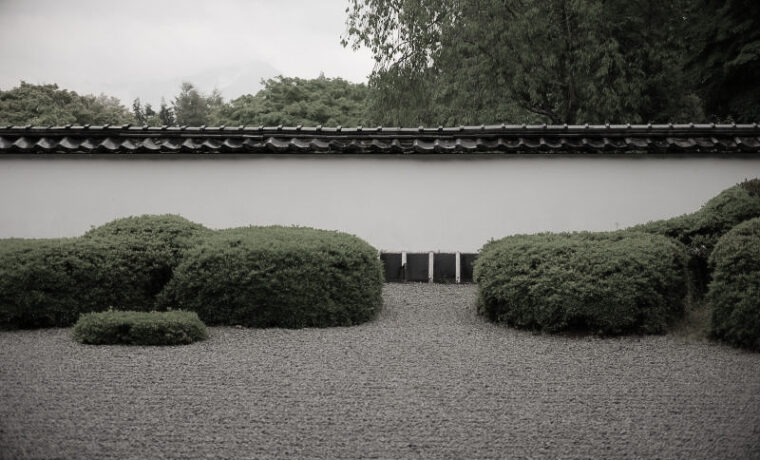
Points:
(734, 292)
(278, 277)
(700, 230)
(139, 328)
(605, 283)
(124, 264)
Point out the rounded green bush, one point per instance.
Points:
(605, 283)
(125, 263)
(734, 292)
(174, 233)
(139, 328)
(700, 230)
(278, 277)
(48, 283)
(165, 237)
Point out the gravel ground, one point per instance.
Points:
(427, 379)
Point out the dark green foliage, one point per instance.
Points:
(278, 277)
(170, 232)
(191, 108)
(146, 115)
(752, 187)
(298, 101)
(450, 62)
(606, 283)
(273, 276)
(139, 328)
(166, 114)
(734, 293)
(47, 105)
(727, 60)
(45, 283)
(700, 230)
(558, 61)
(124, 263)
(164, 237)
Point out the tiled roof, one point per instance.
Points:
(126, 139)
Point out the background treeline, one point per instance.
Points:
(282, 101)
(450, 62)
(560, 61)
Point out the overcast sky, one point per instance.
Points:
(147, 47)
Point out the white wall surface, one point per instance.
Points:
(394, 203)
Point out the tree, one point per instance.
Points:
(137, 112)
(727, 59)
(560, 61)
(47, 105)
(149, 112)
(166, 114)
(654, 39)
(99, 110)
(297, 101)
(191, 108)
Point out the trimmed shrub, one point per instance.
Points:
(139, 328)
(166, 237)
(278, 277)
(605, 283)
(124, 263)
(734, 292)
(174, 233)
(700, 230)
(48, 283)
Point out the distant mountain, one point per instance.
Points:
(232, 80)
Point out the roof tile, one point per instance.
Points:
(695, 138)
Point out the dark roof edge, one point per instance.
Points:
(504, 129)
(688, 138)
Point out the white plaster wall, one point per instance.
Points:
(394, 203)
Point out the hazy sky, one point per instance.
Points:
(130, 48)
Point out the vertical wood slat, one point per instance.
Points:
(458, 267)
(430, 267)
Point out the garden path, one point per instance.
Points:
(427, 379)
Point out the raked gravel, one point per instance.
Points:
(427, 379)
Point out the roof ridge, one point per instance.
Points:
(656, 138)
(390, 129)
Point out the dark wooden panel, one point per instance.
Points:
(417, 266)
(445, 268)
(466, 260)
(394, 272)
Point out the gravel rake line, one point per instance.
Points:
(427, 379)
